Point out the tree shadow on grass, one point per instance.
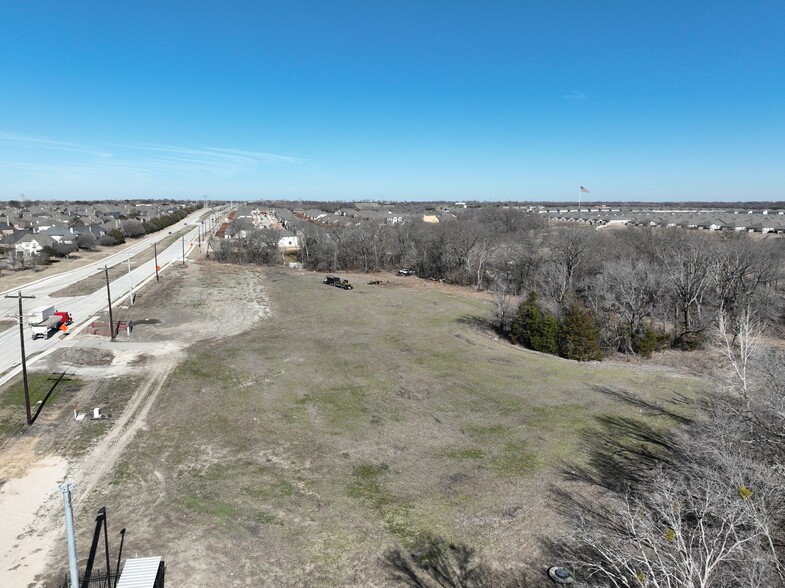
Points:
(621, 455)
(623, 450)
(650, 408)
(55, 383)
(472, 320)
(433, 562)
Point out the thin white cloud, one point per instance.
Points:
(143, 159)
(216, 160)
(48, 143)
(261, 156)
(575, 96)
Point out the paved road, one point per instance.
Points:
(83, 308)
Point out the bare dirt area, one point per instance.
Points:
(282, 432)
(122, 379)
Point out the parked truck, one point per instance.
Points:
(45, 321)
(337, 282)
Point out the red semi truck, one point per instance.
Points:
(45, 321)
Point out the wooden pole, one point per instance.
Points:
(109, 297)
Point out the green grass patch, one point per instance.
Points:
(262, 490)
(211, 505)
(367, 485)
(265, 518)
(39, 385)
(50, 388)
(344, 405)
(468, 453)
(516, 460)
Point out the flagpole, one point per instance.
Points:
(579, 198)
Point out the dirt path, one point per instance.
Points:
(101, 459)
(31, 511)
(31, 505)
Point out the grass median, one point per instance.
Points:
(98, 280)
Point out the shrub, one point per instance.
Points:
(644, 341)
(107, 240)
(578, 337)
(86, 241)
(118, 236)
(534, 328)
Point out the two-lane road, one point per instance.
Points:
(82, 308)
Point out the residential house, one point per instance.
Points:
(31, 244)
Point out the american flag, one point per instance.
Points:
(584, 189)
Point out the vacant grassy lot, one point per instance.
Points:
(347, 423)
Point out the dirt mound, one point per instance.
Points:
(80, 356)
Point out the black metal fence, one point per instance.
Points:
(98, 579)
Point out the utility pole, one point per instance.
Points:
(183, 242)
(109, 297)
(155, 254)
(24, 359)
(130, 282)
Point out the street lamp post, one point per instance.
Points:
(155, 254)
(130, 282)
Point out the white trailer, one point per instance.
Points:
(40, 314)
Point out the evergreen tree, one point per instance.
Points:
(534, 328)
(578, 336)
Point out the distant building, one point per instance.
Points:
(289, 243)
(32, 244)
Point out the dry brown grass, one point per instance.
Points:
(293, 450)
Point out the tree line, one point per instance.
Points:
(643, 288)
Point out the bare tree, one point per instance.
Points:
(686, 262)
(706, 520)
(479, 257)
(569, 247)
(502, 302)
(739, 338)
(632, 290)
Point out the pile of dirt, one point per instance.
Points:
(81, 356)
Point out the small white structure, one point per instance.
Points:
(142, 572)
(289, 241)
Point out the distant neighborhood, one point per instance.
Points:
(289, 218)
(33, 233)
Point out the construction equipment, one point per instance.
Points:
(337, 282)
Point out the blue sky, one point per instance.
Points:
(400, 100)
